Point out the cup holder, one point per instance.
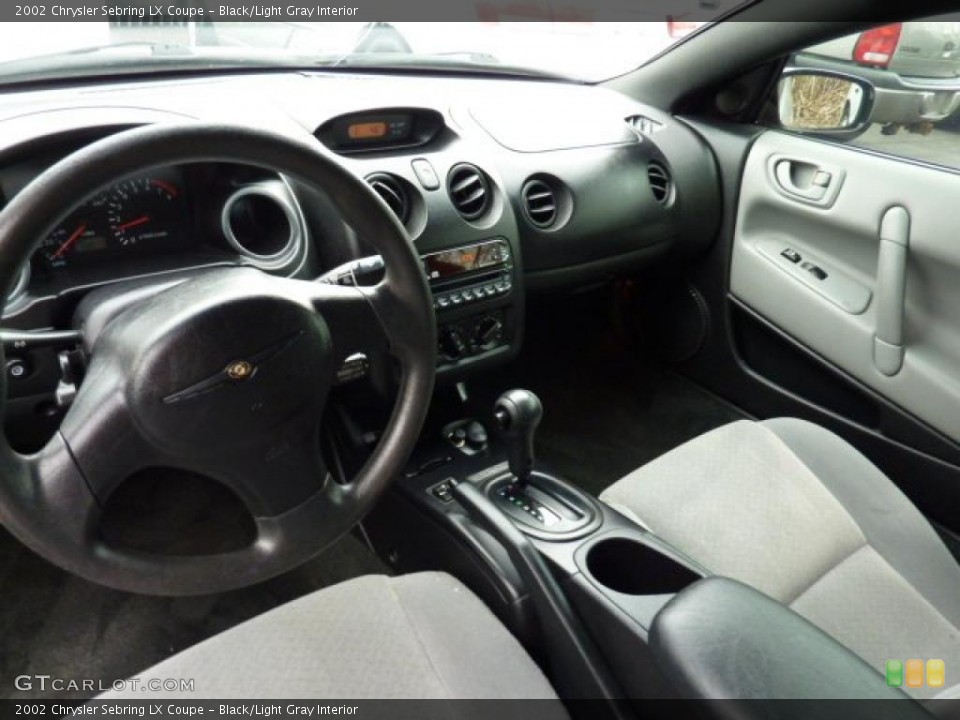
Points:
(630, 567)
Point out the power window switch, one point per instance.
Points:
(791, 255)
(818, 272)
(443, 492)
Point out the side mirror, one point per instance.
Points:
(829, 104)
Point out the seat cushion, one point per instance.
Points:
(796, 512)
(417, 636)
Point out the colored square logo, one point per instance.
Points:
(898, 673)
(914, 673)
(936, 673)
(894, 673)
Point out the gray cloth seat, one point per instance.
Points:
(796, 512)
(422, 636)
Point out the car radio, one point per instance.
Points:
(469, 274)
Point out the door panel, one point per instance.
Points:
(876, 287)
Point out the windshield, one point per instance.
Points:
(589, 51)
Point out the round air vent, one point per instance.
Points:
(661, 183)
(261, 222)
(469, 191)
(540, 203)
(393, 193)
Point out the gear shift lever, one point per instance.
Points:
(538, 503)
(518, 414)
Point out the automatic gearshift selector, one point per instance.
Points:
(539, 504)
(518, 413)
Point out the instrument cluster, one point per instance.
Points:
(137, 216)
(171, 218)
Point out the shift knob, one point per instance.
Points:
(518, 414)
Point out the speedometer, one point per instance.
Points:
(136, 217)
(144, 211)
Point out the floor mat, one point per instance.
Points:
(595, 440)
(608, 409)
(53, 623)
(595, 433)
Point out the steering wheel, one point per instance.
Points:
(225, 375)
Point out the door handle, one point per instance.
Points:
(888, 343)
(803, 179)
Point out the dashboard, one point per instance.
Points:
(506, 187)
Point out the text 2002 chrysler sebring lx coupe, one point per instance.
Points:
(511, 363)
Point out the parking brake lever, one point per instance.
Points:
(575, 663)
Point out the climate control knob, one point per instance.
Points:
(452, 343)
(489, 331)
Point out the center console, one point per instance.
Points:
(476, 297)
(577, 582)
(478, 308)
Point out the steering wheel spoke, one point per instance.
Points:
(353, 315)
(100, 434)
(275, 473)
(52, 489)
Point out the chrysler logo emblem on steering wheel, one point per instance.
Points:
(235, 372)
(240, 370)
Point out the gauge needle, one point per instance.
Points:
(70, 241)
(134, 223)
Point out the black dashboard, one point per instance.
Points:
(506, 187)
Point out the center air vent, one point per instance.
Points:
(540, 203)
(393, 193)
(661, 184)
(469, 191)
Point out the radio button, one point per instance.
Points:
(456, 299)
(443, 302)
(467, 295)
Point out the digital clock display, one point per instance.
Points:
(380, 130)
(367, 131)
(393, 128)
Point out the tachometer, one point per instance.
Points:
(144, 211)
(84, 231)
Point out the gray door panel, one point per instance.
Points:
(876, 289)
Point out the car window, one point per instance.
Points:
(523, 39)
(912, 72)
